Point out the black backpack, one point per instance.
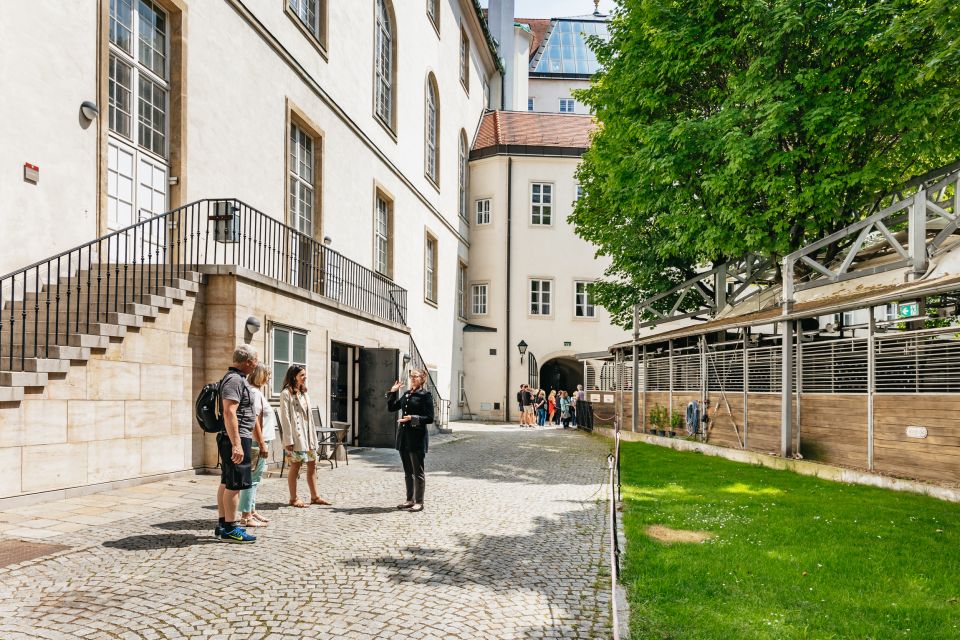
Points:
(210, 408)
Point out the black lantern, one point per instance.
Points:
(522, 347)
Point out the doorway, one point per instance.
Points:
(561, 374)
(342, 384)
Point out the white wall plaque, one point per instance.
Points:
(594, 397)
(916, 432)
(608, 397)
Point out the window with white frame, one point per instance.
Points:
(432, 133)
(578, 194)
(464, 59)
(382, 231)
(302, 181)
(461, 385)
(530, 104)
(430, 268)
(138, 88)
(288, 346)
(566, 105)
(464, 174)
(462, 291)
(310, 14)
(383, 55)
(478, 299)
(886, 312)
(541, 203)
(483, 211)
(540, 297)
(582, 302)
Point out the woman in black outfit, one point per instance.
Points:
(416, 406)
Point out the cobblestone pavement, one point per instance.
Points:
(510, 545)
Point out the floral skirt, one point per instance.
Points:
(300, 456)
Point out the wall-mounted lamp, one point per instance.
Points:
(252, 325)
(89, 110)
(327, 241)
(406, 360)
(522, 347)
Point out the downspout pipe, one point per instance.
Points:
(506, 348)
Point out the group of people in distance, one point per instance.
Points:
(250, 426)
(538, 407)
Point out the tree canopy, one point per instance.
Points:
(732, 127)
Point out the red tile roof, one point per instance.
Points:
(528, 128)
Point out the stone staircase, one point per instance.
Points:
(69, 319)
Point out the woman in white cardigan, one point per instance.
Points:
(299, 435)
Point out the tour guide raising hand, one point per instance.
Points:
(416, 406)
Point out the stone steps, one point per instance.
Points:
(62, 340)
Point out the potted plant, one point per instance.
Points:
(677, 423)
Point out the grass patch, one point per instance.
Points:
(790, 556)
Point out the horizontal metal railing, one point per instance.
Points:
(54, 302)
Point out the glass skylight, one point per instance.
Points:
(566, 50)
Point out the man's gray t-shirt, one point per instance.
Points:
(234, 387)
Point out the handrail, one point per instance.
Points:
(47, 303)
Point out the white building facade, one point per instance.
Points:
(347, 124)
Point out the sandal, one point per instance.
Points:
(251, 522)
(320, 501)
(298, 503)
(259, 517)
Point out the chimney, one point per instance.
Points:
(500, 17)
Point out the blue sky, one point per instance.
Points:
(556, 8)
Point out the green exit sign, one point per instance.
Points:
(908, 310)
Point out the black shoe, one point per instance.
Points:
(405, 505)
(417, 507)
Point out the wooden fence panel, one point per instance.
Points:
(721, 430)
(763, 428)
(936, 457)
(833, 428)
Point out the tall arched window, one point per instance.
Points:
(384, 63)
(432, 133)
(464, 174)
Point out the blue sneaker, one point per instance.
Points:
(238, 535)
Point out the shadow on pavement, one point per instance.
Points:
(520, 457)
(158, 541)
(356, 511)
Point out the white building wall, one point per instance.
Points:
(241, 72)
(48, 62)
(546, 94)
(551, 252)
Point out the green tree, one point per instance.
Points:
(732, 127)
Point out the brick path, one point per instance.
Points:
(511, 545)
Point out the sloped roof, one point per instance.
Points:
(539, 28)
(533, 129)
(564, 50)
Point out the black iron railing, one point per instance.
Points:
(57, 301)
(441, 406)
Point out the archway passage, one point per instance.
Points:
(561, 374)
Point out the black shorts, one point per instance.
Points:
(234, 476)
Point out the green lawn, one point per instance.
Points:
(792, 556)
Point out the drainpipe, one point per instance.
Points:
(506, 349)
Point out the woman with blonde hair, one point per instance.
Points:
(416, 407)
(263, 434)
(551, 405)
(299, 435)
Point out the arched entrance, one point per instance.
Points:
(561, 374)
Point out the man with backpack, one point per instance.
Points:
(233, 444)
